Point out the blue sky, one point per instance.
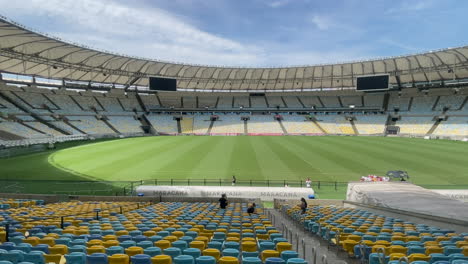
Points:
(250, 32)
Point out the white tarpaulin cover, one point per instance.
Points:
(263, 193)
(461, 195)
(406, 197)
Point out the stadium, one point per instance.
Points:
(108, 158)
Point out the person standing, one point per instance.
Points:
(308, 183)
(303, 205)
(234, 180)
(223, 202)
(251, 209)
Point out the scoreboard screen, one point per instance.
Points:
(373, 83)
(162, 84)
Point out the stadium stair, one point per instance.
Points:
(211, 126)
(29, 126)
(385, 102)
(353, 125)
(435, 103)
(179, 127)
(284, 102)
(282, 126)
(145, 122)
(78, 104)
(52, 102)
(121, 105)
(99, 103)
(9, 136)
(319, 126)
(106, 121)
(246, 130)
(140, 101)
(65, 120)
(434, 126)
(410, 104)
(37, 117)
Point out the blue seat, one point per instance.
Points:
(5, 262)
(215, 244)
(296, 261)
(155, 238)
(63, 241)
(14, 256)
(249, 254)
(17, 239)
(127, 243)
(416, 249)
(25, 247)
(144, 244)
(7, 246)
(232, 244)
(184, 259)
(181, 244)
(205, 260)
(231, 252)
(448, 250)
(459, 261)
(139, 238)
(140, 259)
(289, 254)
(152, 251)
(76, 258)
(267, 245)
(374, 258)
(123, 238)
(194, 252)
(435, 257)
(251, 260)
(97, 258)
(78, 242)
(77, 248)
(36, 257)
(275, 261)
(115, 250)
(172, 251)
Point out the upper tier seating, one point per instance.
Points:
(91, 125)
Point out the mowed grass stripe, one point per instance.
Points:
(273, 166)
(327, 158)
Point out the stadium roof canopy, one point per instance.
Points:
(24, 51)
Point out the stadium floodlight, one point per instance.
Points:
(352, 106)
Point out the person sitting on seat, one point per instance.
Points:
(223, 202)
(251, 209)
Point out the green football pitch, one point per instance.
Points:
(262, 159)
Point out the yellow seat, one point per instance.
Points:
(212, 252)
(282, 246)
(161, 259)
(52, 258)
(118, 259)
(376, 248)
(47, 240)
(348, 245)
(178, 234)
(95, 249)
(94, 242)
(149, 233)
(228, 260)
(269, 254)
(204, 239)
(233, 234)
(171, 238)
(121, 232)
(397, 256)
(465, 251)
(397, 249)
(383, 243)
(434, 249)
(418, 256)
(249, 246)
(34, 241)
(132, 251)
(58, 249)
(461, 244)
(110, 243)
(198, 244)
(163, 244)
(233, 239)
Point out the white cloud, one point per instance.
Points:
(137, 31)
(411, 6)
(322, 22)
(277, 3)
